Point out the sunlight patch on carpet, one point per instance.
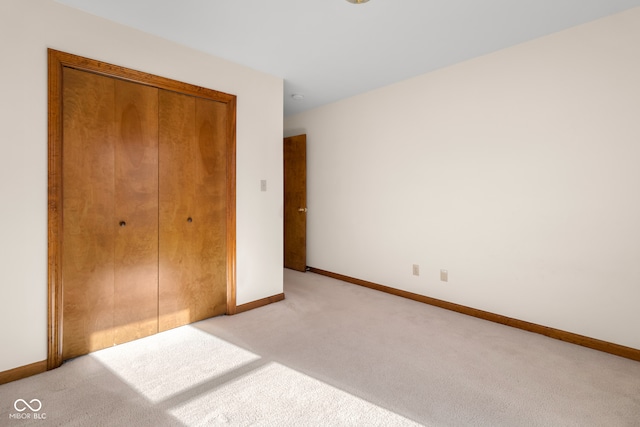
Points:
(277, 395)
(157, 367)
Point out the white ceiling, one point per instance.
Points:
(331, 49)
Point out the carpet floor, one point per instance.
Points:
(334, 354)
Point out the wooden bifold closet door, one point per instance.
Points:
(192, 233)
(144, 237)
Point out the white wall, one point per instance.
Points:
(27, 29)
(519, 172)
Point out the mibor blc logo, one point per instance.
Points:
(27, 410)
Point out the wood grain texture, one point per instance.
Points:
(193, 214)
(177, 145)
(69, 60)
(259, 303)
(54, 210)
(136, 204)
(295, 202)
(88, 212)
(209, 221)
(593, 343)
(231, 206)
(23, 372)
(58, 61)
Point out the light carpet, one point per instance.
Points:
(335, 354)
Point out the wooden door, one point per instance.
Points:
(192, 257)
(109, 183)
(295, 202)
(209, 238)
(136, 212)
(88, 215)
(105, 208)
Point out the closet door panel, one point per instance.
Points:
(88, 217)
(177, 141)
(136, 211)
(209, 238)
(143, 208)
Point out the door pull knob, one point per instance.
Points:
(122, 223)
(302, 209)
(189, 219)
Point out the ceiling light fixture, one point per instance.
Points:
(297, 97)
(357, 1)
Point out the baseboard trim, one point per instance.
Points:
(259, 303)
(23, 372)
(593, 343)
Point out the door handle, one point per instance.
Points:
(302, 209)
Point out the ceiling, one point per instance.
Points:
(328, 50)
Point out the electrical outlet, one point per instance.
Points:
(416, 270)
(263, 185)
(444, 275)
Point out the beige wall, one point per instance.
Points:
(27, 29)
(519, 172)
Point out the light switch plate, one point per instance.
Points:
(444, 275)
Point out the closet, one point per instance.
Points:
(144, 204)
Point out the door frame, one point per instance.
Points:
(57, 61)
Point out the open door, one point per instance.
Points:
(295, 202)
